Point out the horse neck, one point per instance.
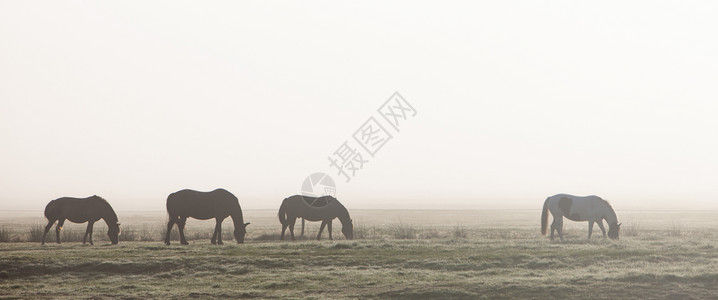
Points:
(342, 214)
(236, 215)
(109, 216)
(610, 215)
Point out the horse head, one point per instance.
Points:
(613, 230)
(348, 230)
(113, 232)
(239, 233)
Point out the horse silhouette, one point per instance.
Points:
(81, 210)
(316, 202)
(589, 208)
(297, 206)
(218, 204)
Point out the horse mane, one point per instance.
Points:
(107, 205)
(610, 208)
(331, 200)
(343, 208)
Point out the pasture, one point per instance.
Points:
(455, 254)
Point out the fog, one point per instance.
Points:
(512, 102)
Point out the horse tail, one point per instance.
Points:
(51, 209)
(544, 217)
(283, 212)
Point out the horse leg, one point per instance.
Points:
(559, 228)
(590, 229)
(291, 226)
(284, 227)
(47, 229)
(182, 222)
(600, 225)
(171, 223)
(553, 228)
(329, 228)
(218, 232)
(88, 232)
(302, 235)
(214, 234)
(58, 227)
(321, 228)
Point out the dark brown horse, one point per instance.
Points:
(298, 207)
(316, 202)
(81, 210)
(218, 204)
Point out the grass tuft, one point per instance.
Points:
(459, 232)
(4, 235)
(675, 230)
(404, 231)
(270, 237)
(66, 234)
(631, 229)
(363, 232)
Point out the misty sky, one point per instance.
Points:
(515, 101)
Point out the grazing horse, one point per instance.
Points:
(297, 207)
(218, 204)
(81, 210)
(316, 202)
(589, 208)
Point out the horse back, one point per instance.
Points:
(588, 208)
(298, 206)
(202, 205)
(78, 210)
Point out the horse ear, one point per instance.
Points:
(619, 224)
(245, 224)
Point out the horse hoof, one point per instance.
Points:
(220, 243)
(167, 243)
(184, 243)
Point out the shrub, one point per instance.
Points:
(362, 231)
(129, 234)
(35, 234)
(459, 232)
(4, 235)
(675, 231)
(631, 229)
(404, 231)
(66, 234)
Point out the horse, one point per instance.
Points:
(316, 202)
(218, 204)
(81, 210)
(589, 208)
(297, 207)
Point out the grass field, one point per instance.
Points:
(465, 254)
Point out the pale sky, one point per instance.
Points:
(515, 101)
